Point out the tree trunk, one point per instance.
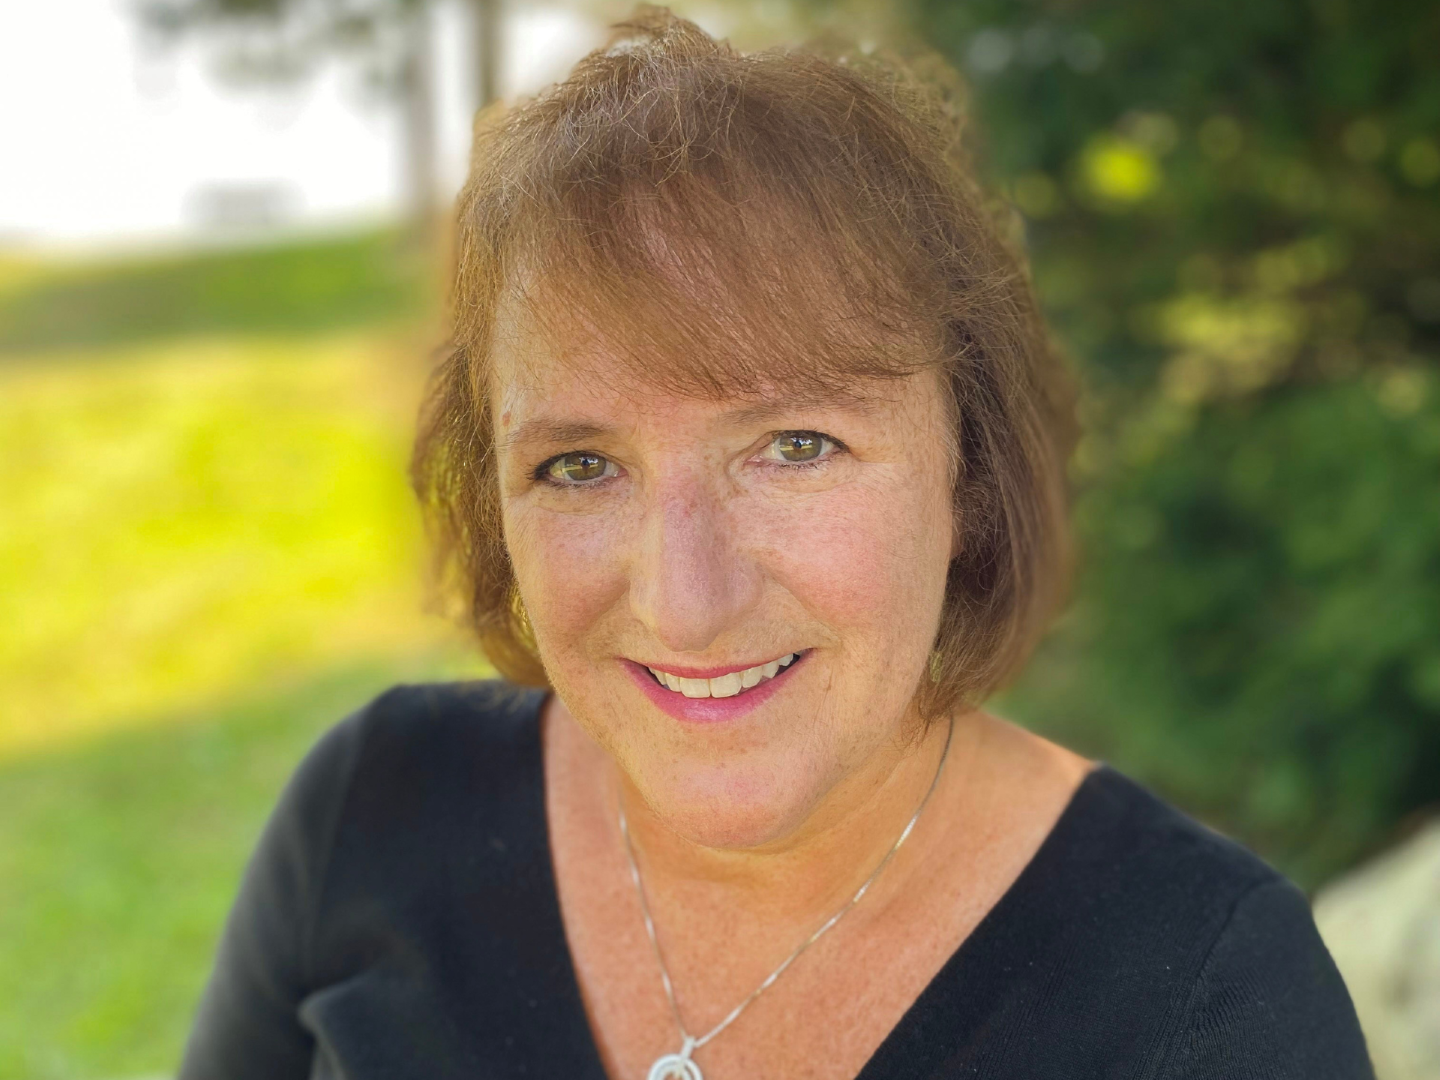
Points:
(487, 28)
(418, 105)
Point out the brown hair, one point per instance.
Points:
(731, 222)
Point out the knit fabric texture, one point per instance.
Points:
(399, 921)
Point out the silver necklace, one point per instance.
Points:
(680, 1066)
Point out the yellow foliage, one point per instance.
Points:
(1224, 347)
(1120, 170)
(1295, 266)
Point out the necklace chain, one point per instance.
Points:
(691, 1042)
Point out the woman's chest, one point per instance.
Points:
(761, 998)
(456, 986)
(822, 1018)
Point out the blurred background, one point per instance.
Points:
(223, 227)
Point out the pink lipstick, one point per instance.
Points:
(709, 710)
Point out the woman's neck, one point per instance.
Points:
(800, 878)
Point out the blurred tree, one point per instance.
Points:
(389, 41)
(1233, 209)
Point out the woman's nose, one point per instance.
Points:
(690, 580)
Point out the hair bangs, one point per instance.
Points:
(752, 302)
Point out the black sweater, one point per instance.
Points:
(399, 921)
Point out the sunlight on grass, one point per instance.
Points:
(180, 521)
(18, 271)
(208, 555)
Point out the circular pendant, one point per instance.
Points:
(675, 1067)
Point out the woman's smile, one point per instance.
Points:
(713, 694)
(720, 681)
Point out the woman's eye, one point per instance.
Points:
(801, 446)
(579, 467)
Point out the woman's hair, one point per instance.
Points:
(728, 225)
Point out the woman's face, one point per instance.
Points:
(705, 540)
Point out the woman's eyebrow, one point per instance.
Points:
(863, 405)
(546, 429)
(543, 429)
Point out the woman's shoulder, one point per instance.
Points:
(1119, 826)
(420, 811)
(484, 722)
(483, 735)
(1138, 942)
(1175, 921)
(419, 765)
(1142, 871)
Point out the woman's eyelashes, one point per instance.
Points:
(787, 450)
(803, 449)
(578, 468)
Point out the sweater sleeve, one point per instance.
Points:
(247, 1026)
(1269, 1003)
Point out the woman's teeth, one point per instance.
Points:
(725, 685)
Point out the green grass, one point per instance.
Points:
(183, 525)
(208, 554)
(303, 286)
(178, 520)
(119, 860)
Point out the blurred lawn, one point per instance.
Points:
(305, 285)
(180, 520)
(208, 554)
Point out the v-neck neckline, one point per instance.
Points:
(985, 944)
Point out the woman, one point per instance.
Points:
(752, 448)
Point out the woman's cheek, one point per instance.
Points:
(568, 568)
(853, 556)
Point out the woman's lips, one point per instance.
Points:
(720, 682)
(710, 709)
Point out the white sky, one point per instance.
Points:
(105, 143)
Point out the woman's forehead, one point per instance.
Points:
(562, 337)
(563, 391)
